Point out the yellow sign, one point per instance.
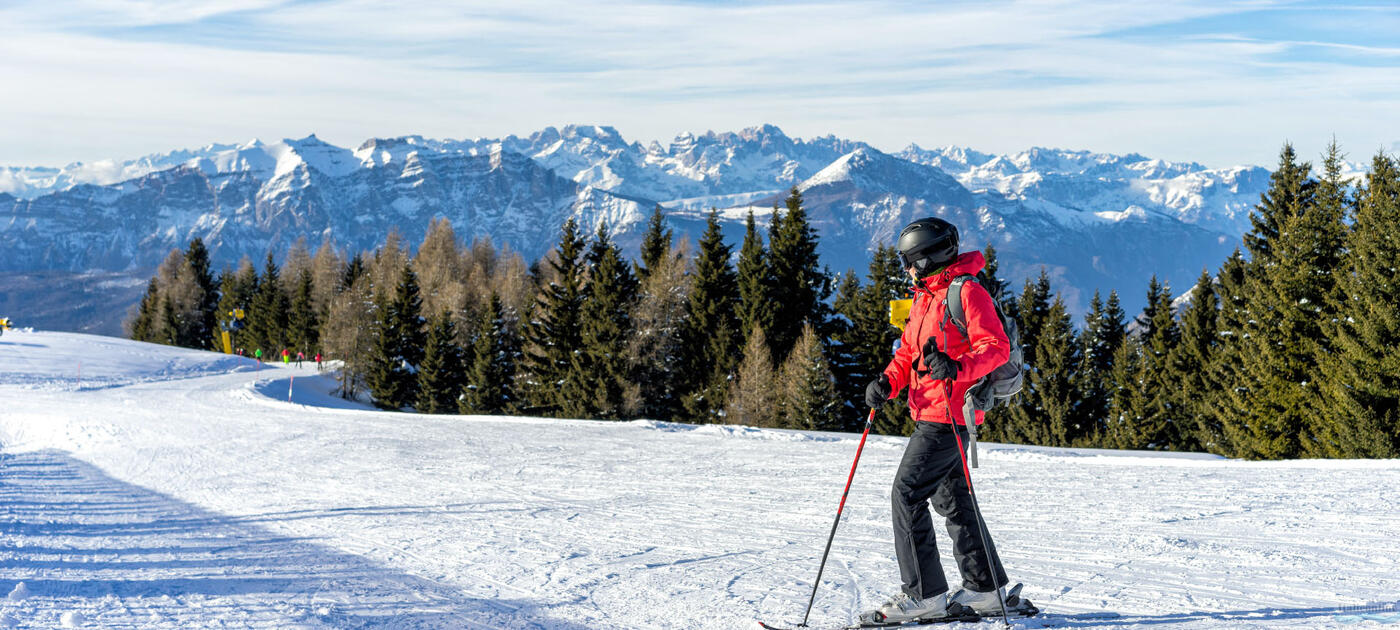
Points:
(238, 313)
(899, 312)
(227, 343)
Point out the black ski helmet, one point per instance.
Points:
(927, 244)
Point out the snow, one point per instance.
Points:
(171, 488)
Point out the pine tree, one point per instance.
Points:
(1163, 429)
(870, 337)
(808, 392)
(605, 329)
(999, 289)
(397, 352)
(656, 244)
(711, 337)
(1095, 361)
(800, 288)
(1362, 378)
(1188, 367)
(1032, 308)
(752, 398)
(204, 323)
(1225, 368)
(756, 308)
(1054, 383)
(267, 316)
(1023, 421)
(303, 324)
(495, 351)
(443, 373)
(1290, 189)
(1289, 286)
(655, 350)
(142, 326)
(1125, 400)
(553, 337)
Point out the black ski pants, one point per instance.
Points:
(931, 471)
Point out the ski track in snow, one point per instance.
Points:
(177, 489)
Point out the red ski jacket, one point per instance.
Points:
(984, 348)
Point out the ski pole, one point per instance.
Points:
(993, 560)
(868, 420)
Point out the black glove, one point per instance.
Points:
(877, 392)
(939, 366)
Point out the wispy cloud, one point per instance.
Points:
(1216, 82)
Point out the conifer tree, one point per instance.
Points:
(870, 336)
(204, 322)
(397, 352)
(495, 351)
(1188, 368)
(656, 244)
(267, 316)
(303, 324)
(1289, 285)
(1023, 421)
(752, 398)
(1362, 378)
(655, 350)
(711, 338)
(808, 391)
(169, 323)
(1290, 189)
(755, 278)
(554, 337)
(142, 326)
(800, 287)
(1145, 414)
(1032, 308)
(845, 356)
(443, 373)
(1095, 361)
(605, 325)
(1225, 368)
(1126, 404)
(1054, 384)
(999, 289)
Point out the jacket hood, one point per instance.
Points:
(968, 263)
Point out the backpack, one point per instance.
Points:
(1005, 381)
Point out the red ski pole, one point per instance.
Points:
(868, 420)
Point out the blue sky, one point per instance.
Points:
(1220, 83)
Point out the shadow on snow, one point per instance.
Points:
(78, 539)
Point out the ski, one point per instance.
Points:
(1017, 608)
(966, 617)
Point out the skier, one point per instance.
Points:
(301, 356)
(318, 362)
(286, 356)
(258, 354)
(939, 364)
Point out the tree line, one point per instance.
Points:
(1288, 350)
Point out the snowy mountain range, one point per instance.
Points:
(1092, 220)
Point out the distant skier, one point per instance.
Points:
(258, 354)
(286, 356)
(301, 356)
(318, 362)
(939, 364)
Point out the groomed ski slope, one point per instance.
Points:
(180, 489)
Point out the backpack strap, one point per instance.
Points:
(952, 303)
